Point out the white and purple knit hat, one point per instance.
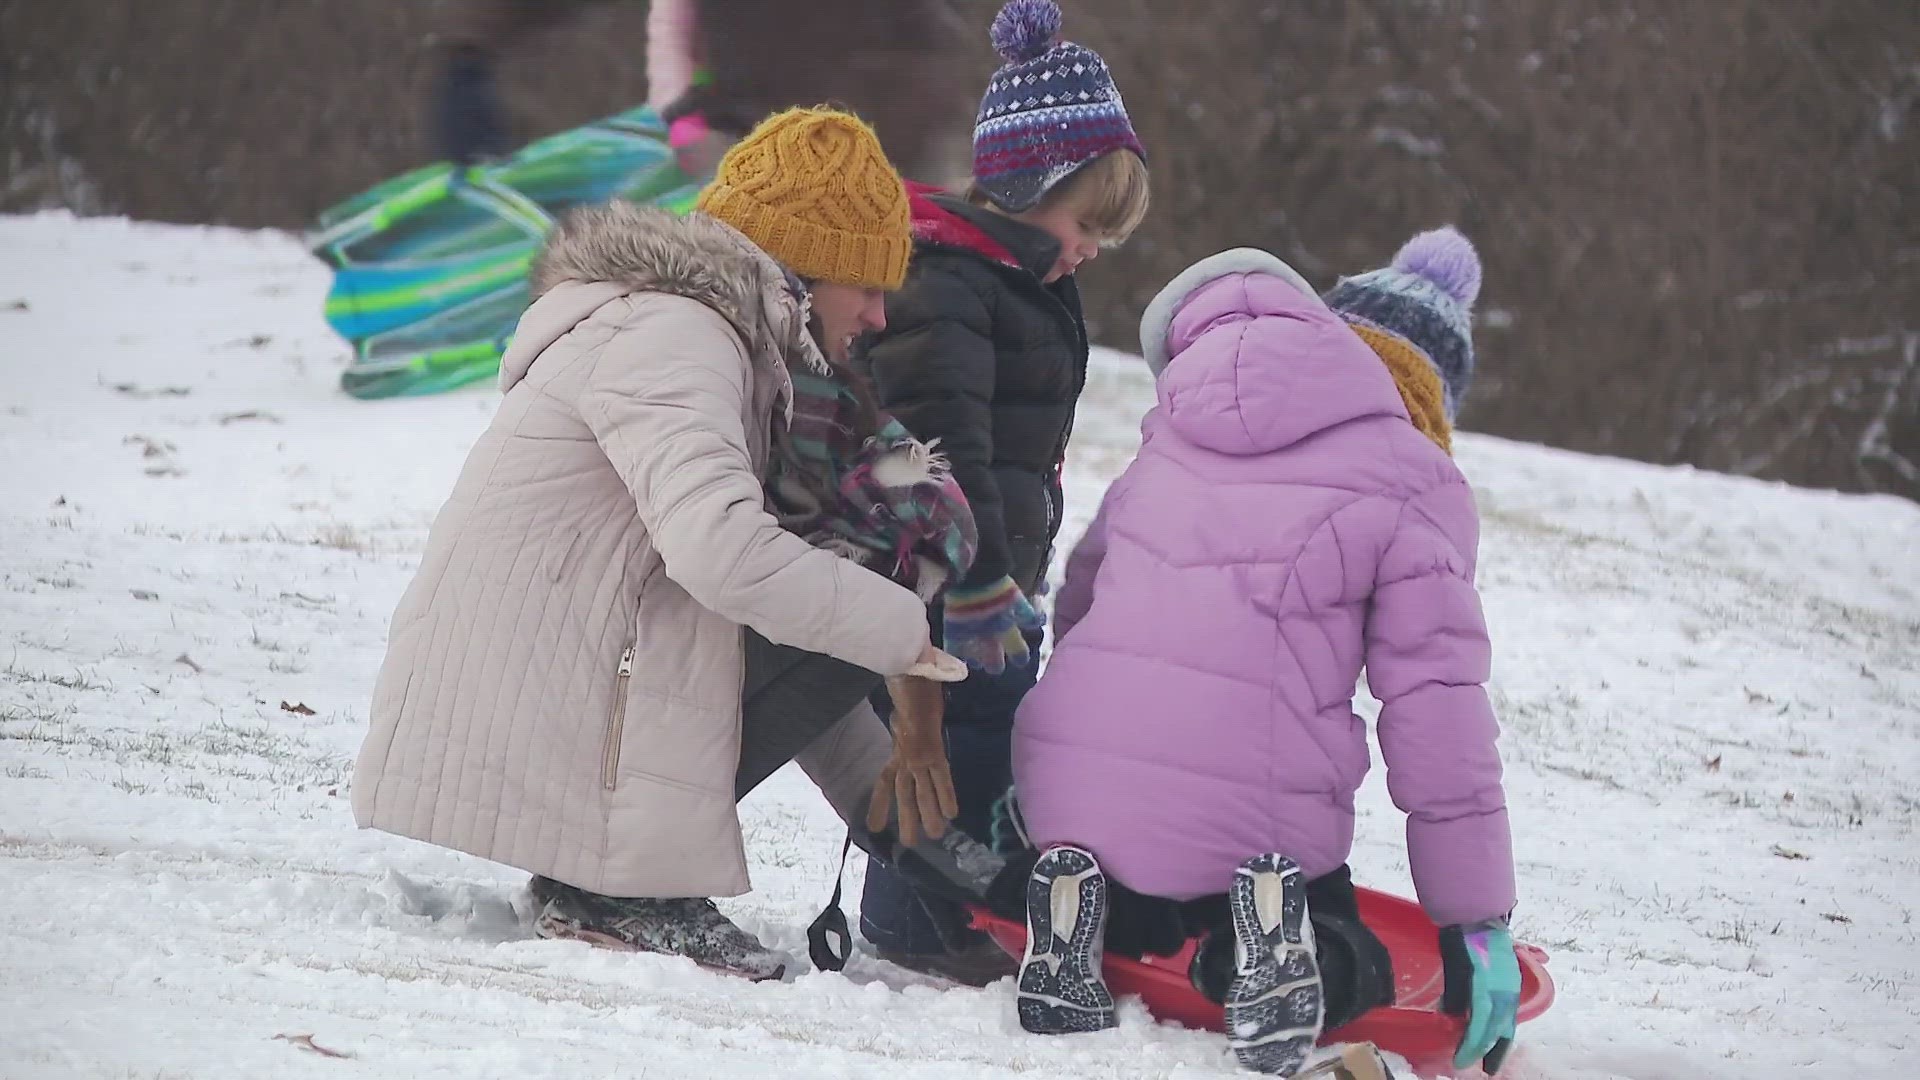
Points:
(1425, 298)
(1049, 110)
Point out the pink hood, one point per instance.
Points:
(1250, 360)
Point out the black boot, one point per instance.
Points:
(950, 873)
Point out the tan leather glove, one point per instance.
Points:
(916, 779)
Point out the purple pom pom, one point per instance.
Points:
(1445, 258)
(1025, 29)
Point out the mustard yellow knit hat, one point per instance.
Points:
(813, 188)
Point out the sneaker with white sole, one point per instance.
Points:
(1061, 990)
(1276, 1005)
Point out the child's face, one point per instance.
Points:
(1065, 222)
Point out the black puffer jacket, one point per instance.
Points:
(982, 356)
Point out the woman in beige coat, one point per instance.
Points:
(562, 687)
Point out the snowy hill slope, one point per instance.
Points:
(1710, 690)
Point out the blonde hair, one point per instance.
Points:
(1111, 191)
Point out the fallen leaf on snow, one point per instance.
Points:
(142, 594)
(149, 446)
(305, 1042)
(303, 598)
(135, 390)
(297, 710)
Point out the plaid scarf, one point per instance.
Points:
(888, 502)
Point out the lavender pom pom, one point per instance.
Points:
(1025, 29)
(1445, 258)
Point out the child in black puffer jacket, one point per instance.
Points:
(985, 353)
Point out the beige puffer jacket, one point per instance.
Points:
(561, 691)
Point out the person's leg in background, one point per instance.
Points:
(980, 715)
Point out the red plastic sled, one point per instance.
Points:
(1413, 1026)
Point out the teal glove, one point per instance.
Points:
(987, 627)
(1482, 984)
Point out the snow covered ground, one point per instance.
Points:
(1711, 691)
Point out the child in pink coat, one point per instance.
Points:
(1294, 517)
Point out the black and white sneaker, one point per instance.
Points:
(1061, 990)
(1276, 1004)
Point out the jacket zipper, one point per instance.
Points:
(610, 755)
(1077, 333)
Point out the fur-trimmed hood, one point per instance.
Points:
(597, 254)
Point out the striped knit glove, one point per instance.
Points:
(1482, 983)
(987, 627)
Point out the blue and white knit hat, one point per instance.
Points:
(1425, 298)
(1049, 110)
